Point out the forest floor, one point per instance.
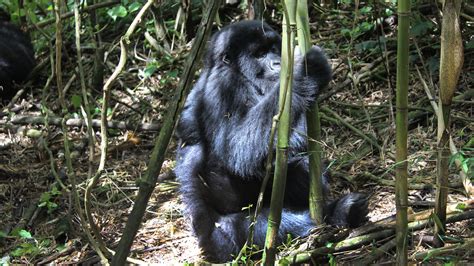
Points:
(359, 145)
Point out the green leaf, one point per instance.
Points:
(469, 45)
(18, 252)
(346, 32)
(134, 7)
(24, 234)
(55, 191)
(366, 10)
(117, 12)
(76, 101)
(433, 63)
(332, 260)
(25, 249)
(366, 45)
(366, 26)
(46, 243)
(173, 73)
(149, 70)
(388, 12)
(52, 206)
(461, 206)
(45, 196)
(420, 28)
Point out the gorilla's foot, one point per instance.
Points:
(350, 210)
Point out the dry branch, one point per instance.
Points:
(77, 122)
(468, 245)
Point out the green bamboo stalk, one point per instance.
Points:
(450, 68)
(313, 125)
(281, 161)
(148, 182)
(401, 186)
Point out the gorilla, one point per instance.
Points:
(16, 56)
(223, 134)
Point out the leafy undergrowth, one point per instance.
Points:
(39, 226)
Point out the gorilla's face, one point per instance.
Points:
(263, 61)
(249, 48)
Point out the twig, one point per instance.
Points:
(370, 139)
(376, 253)
(85, 108)
(67, 152)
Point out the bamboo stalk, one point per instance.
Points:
(281, 160)
(313, 124)
(451, 61)
(148, 182)
(401, 188)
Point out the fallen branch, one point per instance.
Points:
(76, 122)
(468, 245)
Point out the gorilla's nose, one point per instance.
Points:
(275, 65)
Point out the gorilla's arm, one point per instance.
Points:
(250, 115)
(312, 74)
(187, 129)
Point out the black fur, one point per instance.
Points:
(224, 132)
(16, 56)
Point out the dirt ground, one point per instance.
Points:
(165, 237)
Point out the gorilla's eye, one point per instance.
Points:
(260, 53)
(275, 50)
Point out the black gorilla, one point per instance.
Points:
(224, 132)
(16, 56)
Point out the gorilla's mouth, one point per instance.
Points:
(267, 75)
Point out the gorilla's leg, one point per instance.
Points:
(218, 236)
(349, 210)
(221, 235)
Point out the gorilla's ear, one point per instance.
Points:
(221, 49)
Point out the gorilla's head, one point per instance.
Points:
(251, 48)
